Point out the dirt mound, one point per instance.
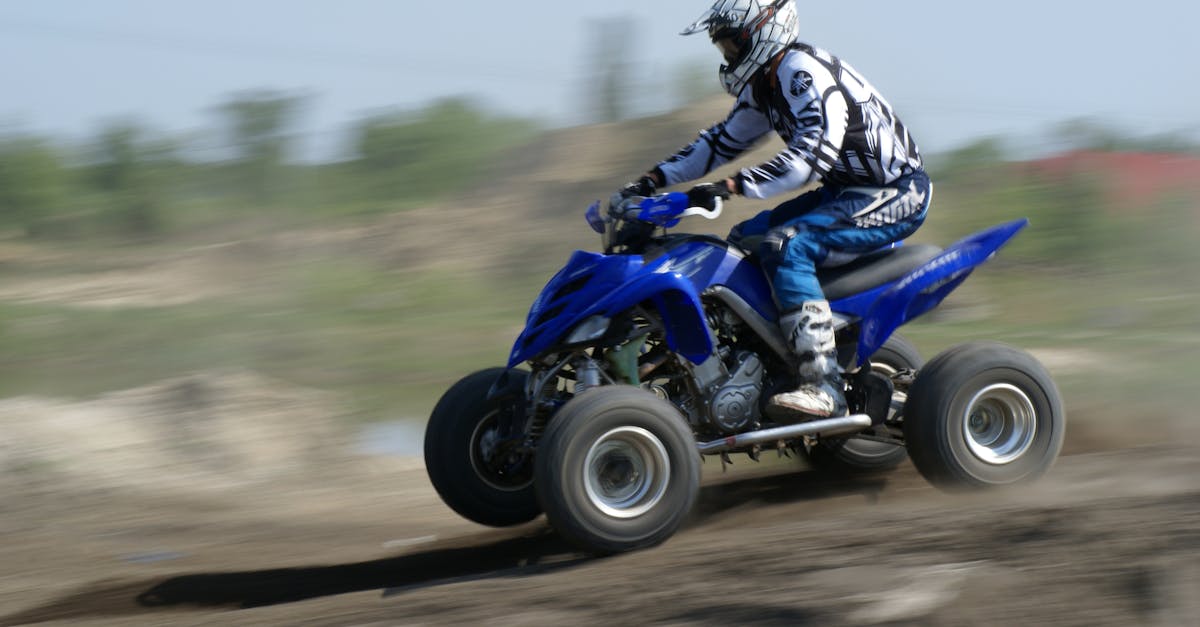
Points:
(208, 430)
(530, 206)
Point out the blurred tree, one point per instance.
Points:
(610, 69)
(258, 123)
(1073, 224)
(33, 184)
(1088, 134)
(974, 162)
(130, 169)
(1092, 134)
(423, 155)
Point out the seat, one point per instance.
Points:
(873, 269)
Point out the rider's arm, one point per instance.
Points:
(744, 126)
(819, 116)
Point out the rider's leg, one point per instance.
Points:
(749, 234)
(848, 221)
(807, 325)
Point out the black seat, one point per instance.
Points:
(873, 269)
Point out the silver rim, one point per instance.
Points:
(483, 448)
(999, 424)
(626, 472)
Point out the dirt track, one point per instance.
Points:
(1107, 538)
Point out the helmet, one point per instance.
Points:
(749, 33)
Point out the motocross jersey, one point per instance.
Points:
(837, 128)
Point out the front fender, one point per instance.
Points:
(568, 297)
(677, 303)
(672, 295)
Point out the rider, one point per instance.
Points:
(838, 131)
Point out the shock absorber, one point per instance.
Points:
(587, 375)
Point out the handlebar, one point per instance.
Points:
(664, 210)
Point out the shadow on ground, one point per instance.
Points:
(527, 550)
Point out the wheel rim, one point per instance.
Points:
(999, 424)
(626, 472)
(517, 472)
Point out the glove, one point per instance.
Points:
(644, 186)
(706, 195)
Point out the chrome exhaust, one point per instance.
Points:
(828, 426)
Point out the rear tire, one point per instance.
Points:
(617, 470)
(460, 441)
(856, 455)
(983, 414)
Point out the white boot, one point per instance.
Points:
(809, 332)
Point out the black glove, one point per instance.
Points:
(705, 195)
(644, 186)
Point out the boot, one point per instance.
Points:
(809, 330)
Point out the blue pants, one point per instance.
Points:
(830, 226)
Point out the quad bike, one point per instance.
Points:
(664, 348)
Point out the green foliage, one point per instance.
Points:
(1070, 225)
(430, 153)
(391, 338)
(971, 163)
(259, 124)
(132, 184)
(1074, 225)
(116, 185)
(1091, 134)
(131, 171)
(33, 184)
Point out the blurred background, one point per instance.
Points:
(268, 200)
(245, 247)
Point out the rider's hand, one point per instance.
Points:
(706, 195)
(645, 186)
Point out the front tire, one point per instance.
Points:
(617, 470)
(983, 414)
(466, 463)
(856, 455)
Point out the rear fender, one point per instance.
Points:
(884, 309)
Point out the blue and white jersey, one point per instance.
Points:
(837, 128)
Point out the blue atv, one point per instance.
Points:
(635, 363)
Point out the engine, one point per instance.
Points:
(733, 403)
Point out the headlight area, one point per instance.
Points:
(589, 330)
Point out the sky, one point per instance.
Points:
(954, 70)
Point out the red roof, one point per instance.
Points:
(1130, 180)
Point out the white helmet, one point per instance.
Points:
(749, 34)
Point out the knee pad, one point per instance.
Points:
(775, 243)
(790, 241)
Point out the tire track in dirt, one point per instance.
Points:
(1106, 538)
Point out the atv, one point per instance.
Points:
(636, 362)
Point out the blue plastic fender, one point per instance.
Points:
(592, 284)
(884, 309)
(677, 302)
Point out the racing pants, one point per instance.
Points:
(830, 226)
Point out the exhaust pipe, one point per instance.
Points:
(829, 426)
